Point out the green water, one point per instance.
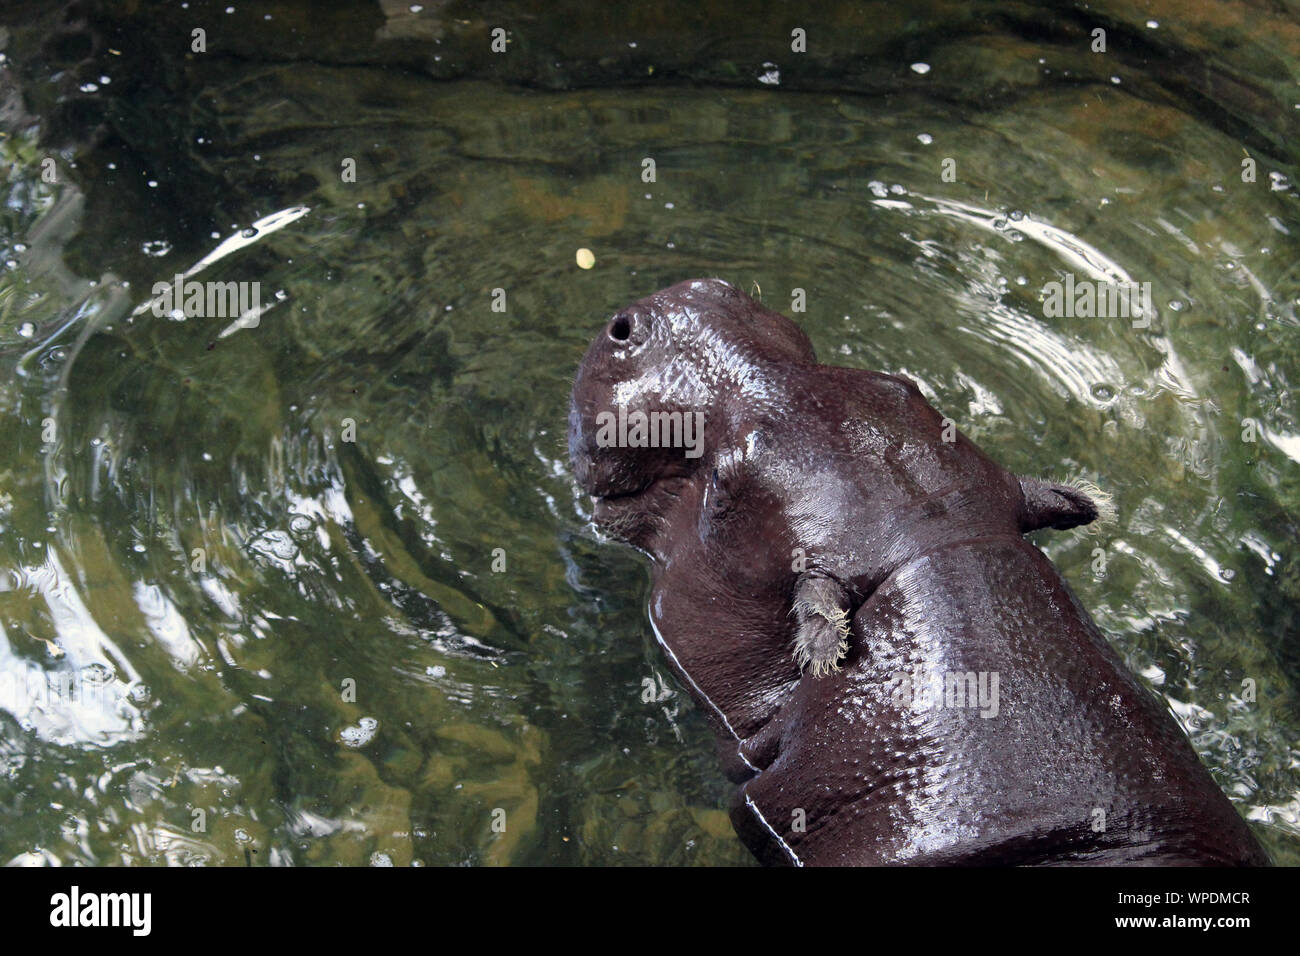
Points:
(320, 590)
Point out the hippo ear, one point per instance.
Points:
(1059, 506)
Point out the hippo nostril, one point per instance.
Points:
(620, 330)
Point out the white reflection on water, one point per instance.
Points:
(86, 691)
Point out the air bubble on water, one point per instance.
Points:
(281, 295)
(925, 138)
(20, 247)
(206, 456)
(999, 223)
(361, 734)
(1115, 80)
(276, 544)
(176, 315)
(152, 184)
(922, 68)
(1021, 280)
(878, 189)
(156, 248)
(1102, 392)
(668, 205)
(1177, 305)
(104, 81)
(89, 88)
(1015, 215)
(248, 233)
(27, 330)
(1153, 24)
(898, 190)
(1227, 574)
(771, 76)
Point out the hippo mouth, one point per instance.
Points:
(616, 508)
(610, 485)
(617, 501)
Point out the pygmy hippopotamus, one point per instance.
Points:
(895, 674)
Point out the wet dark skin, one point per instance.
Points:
(834, 547)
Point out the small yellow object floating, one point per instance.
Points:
(586, 258)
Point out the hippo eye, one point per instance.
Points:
(620, 330)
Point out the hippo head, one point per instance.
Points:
(667, 373)
(676, 380)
